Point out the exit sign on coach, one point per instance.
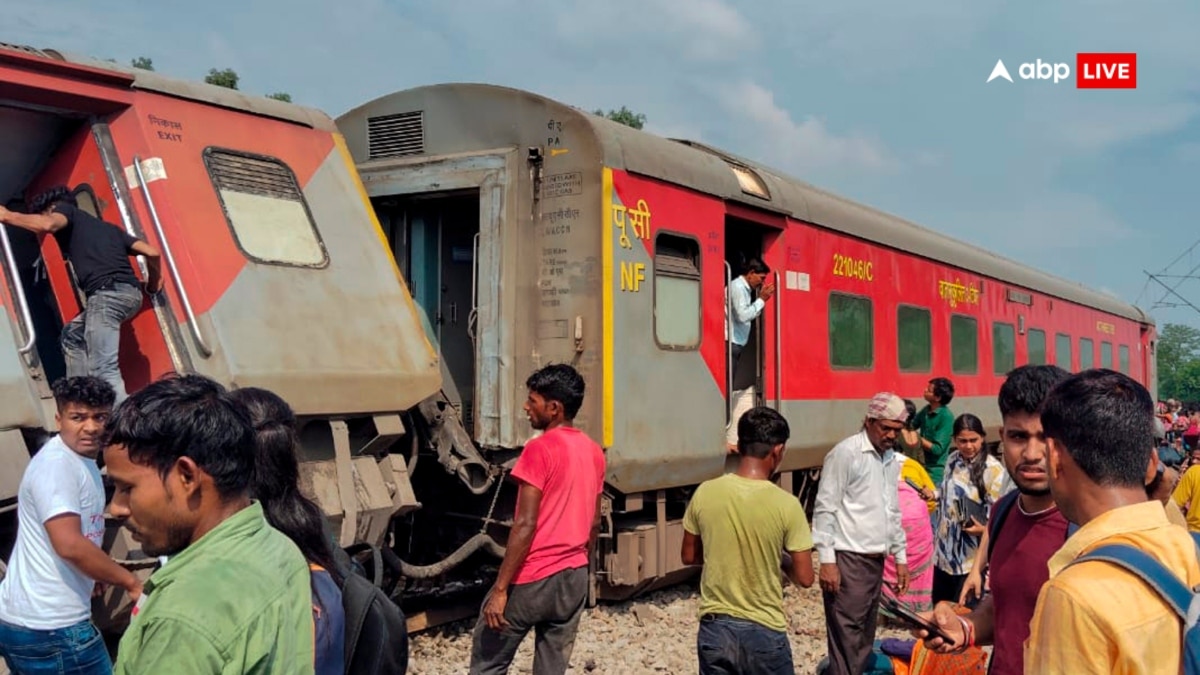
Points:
(1106, 71)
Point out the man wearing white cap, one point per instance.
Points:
(856, 525)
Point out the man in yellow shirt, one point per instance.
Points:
(737, 526)
(1094, 616)
(1187, 496)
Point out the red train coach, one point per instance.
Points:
(531, 231)
(276, 275)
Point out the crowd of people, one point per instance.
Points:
(250, 578)
(1000, 551)
(914, 520)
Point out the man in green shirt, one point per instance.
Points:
(234, 598)
(935, 422)
(738, 526)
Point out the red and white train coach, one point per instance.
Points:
(531, 231)
(276, 272)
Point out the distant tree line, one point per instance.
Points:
(1178, 357)
(225, 77)
(624, 116)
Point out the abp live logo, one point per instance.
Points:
(1093, 71)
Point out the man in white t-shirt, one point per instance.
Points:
(45, 599)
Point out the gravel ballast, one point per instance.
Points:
(653, 634)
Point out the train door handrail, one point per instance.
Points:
(193, 324)
(778, 345)
(473, 315)
(728, 346)
(19, 291)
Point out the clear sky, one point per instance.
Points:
(885, 103)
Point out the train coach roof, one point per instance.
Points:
(709, 170)
(202, 92)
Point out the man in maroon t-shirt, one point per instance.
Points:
(543, 581)
(1032, 531)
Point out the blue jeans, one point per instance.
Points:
(74, 650)
(91, 342)
(730, 646)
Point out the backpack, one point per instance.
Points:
(1183, 600)
(1000, 511)
(376, 629)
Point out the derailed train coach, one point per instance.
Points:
(275, 276)
(533, 232)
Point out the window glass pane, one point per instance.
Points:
(1086, 354)
(1106, 355)
(272, 229)
(915, 335)
(86, 201)
(1123, 359)
(851, 331)
(676, 292)
(1004, 348)
(265, 208)
(964, 345)
(1062, 351)
(676, 311)
(1036, 345)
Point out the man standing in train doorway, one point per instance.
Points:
(743, 309)
(99, 254)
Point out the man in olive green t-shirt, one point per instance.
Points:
(234, 598)
(935, 423)
(738, 526)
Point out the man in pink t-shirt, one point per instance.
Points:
(543, 581)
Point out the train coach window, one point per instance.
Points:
(86, 200)
(1106, 355)
(1123, 359)
(1062, 351)
(964, 345)
(851, 331)
(1004, 348)
(265, 208)
(676, 292)
(914, 333)
(1086, 354)
(1035, 345)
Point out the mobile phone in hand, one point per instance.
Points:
(912, 620)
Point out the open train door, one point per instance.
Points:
(55, 134)
(88, 164)
(50, 135)
(65, 139)
(443, 218)
(752, 233)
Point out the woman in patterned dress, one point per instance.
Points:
(973, 481)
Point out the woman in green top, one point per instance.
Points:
(935, 423)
